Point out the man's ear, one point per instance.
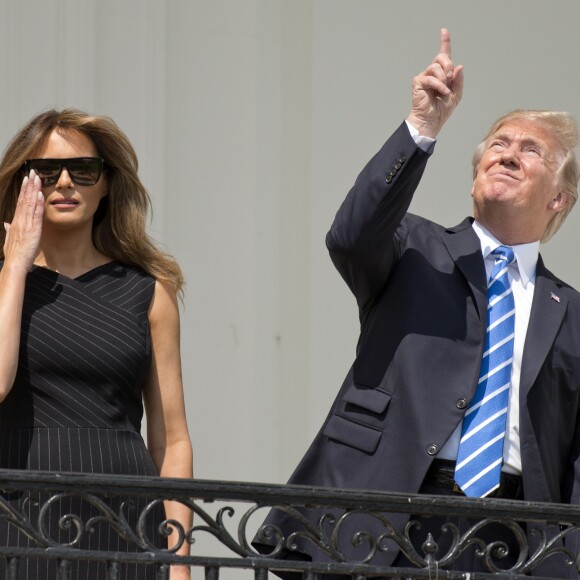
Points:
(559, 203)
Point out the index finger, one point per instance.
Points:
(445, 42)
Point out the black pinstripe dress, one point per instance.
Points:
(76, 404)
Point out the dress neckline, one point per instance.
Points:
(80, 276)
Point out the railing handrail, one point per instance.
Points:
(285, 495)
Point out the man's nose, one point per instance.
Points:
(511, 155)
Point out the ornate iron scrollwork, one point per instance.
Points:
(228, 513)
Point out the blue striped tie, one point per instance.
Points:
(480, 454)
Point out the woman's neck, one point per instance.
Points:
(69, 254)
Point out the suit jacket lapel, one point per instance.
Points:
(548, 309)
(465, 249)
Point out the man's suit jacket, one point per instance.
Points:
(422, 297)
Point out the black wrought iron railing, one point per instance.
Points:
(228, 515)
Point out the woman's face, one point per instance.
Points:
(68, 204)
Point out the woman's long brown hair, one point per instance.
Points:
(119, 225)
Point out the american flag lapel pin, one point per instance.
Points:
(555, 297)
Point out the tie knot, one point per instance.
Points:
(504, 253)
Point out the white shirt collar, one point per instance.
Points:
(526, 254)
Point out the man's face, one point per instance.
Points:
(516, 179)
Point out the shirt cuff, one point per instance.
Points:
(423, 142)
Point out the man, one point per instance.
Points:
(467, 374)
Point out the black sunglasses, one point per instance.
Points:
(82, 170)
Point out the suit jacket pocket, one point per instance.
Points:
(566, 361)
(353, 434)
(371, 399)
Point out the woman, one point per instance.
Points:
(90, 325)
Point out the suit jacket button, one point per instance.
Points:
(389, 178)
(432, 449)
(461, 404)
(397, 165)
(402, 159)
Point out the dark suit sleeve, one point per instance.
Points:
(362, 241)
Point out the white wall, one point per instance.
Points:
(251, 119)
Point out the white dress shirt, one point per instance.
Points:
(522, 277)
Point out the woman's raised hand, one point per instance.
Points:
(22, 241)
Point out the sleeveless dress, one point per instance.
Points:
(76, 404)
